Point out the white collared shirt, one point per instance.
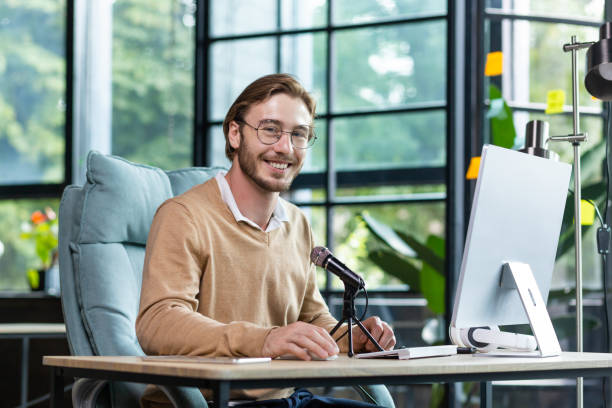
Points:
(279, 215)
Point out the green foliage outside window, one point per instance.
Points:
(32, 86)
(32, 112)
(153, 76)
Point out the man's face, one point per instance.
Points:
(272, 167)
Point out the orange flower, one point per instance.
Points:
(38, 217)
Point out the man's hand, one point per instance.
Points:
(299, 339)
(381, 332)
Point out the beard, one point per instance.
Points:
(274, 183)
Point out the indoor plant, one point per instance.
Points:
(41, 229)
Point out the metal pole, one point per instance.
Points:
(576, 114)
(575, 139)
(577, 221)
(578, 243)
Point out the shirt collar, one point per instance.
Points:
(279, 215)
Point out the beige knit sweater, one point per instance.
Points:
(216, 287)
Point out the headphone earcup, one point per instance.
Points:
(468, 338)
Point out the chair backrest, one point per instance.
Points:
(103, 232)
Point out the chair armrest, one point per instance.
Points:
(85, 392)
(376, 394)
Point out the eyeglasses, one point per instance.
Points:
(270, 131)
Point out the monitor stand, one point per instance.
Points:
(518, 276)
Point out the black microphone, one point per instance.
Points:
(322, 257)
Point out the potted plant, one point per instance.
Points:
(41, 229)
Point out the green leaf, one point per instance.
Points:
(433, 282)
(424, 253)
(591, 161)
(503, 133)
(567, 239)
(432, 288)
(387, 235)
(437, 245)
(33, 278)
(437, 395)
(430, 279)
(595, 192)
(398, 267)
(403, 243)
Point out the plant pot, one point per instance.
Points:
(36, 279)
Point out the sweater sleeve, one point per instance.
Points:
(168, 321)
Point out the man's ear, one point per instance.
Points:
(234, 134)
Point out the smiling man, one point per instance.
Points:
(227, 269)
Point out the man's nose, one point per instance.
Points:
(284, 143)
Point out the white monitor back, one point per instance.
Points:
(516, 217)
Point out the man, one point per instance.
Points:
(227, 268)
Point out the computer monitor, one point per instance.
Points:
(516, 217)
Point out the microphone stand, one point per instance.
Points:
(348, 315)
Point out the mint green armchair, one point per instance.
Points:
(103, 231)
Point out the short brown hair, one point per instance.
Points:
(260, 90)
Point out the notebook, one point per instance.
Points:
(412, 352)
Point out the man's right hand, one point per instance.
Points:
(299, 339)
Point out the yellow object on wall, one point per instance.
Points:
(587, 213)
(555, 99)
(494, 65)
(472, 171)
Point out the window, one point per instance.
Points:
(534, 64)
(378, 71)
(139, 107)
(531, 36)
(34, 136)
(152, 81)
(32, 93)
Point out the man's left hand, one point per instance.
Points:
(381, 332)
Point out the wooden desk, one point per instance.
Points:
(341, 372)
(26, 332)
